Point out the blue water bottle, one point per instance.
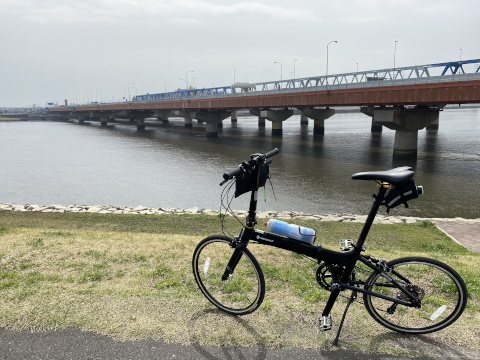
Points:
(291, 230)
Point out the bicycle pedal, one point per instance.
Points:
(346, 244)
(325, 323)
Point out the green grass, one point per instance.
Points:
(130, 277)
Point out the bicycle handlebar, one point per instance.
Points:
(272, 153)
(256, 159)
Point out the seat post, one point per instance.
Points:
(371, 216)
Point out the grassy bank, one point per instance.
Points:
(9, 118)
(129, 276)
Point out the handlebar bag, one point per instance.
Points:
(248, 181)
(397, 195)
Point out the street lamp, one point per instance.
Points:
(326, 76)
(234, 76)
(294, 72)
(281, 72)
(394, 53)
(129, 97)
(186, 78)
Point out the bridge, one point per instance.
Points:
(404, 99)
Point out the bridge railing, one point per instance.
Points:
(449, 71)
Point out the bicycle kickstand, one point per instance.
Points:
(352, 299)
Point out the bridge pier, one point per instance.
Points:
(369, 111)
(105, 117)
(434, 125)
(375, 127)
(319, 116)
(261, 119)
(213, 119)
(162, 115)
(406, 123)
(103, 120)
(80, 116)
(405, 144)
(233, 116)
(141, 123)
(261, 122)
(139, 117)
(277, 117)
(303, 119)
(188, 116)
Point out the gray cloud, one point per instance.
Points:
(88, 50)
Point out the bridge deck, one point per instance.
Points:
(433, 94)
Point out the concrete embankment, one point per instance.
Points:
(381, 219)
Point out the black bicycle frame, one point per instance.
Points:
(346, 259)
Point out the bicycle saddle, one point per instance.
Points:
(396, 176)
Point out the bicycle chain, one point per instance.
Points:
(358, 301)
(359, 269)
(324, 270)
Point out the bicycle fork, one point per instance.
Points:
(234, 260)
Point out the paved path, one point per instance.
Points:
(76, 344)
(465, 232)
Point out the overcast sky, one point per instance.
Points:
(94, 50)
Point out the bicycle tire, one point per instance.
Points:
(243, 292)
(442, 291)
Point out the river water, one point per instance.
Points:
(45, 162)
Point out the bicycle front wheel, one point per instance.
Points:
(243, 291)
(441, 291)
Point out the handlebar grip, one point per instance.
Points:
(231, 174)
(246, 165)
(272, 153)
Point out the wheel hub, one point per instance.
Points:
(415, 290)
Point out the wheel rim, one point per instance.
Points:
(241, 292)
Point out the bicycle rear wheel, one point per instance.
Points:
(442, 292)
(240, 294)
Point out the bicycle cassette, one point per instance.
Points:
(412, 289)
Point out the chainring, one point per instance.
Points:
(324, 276)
